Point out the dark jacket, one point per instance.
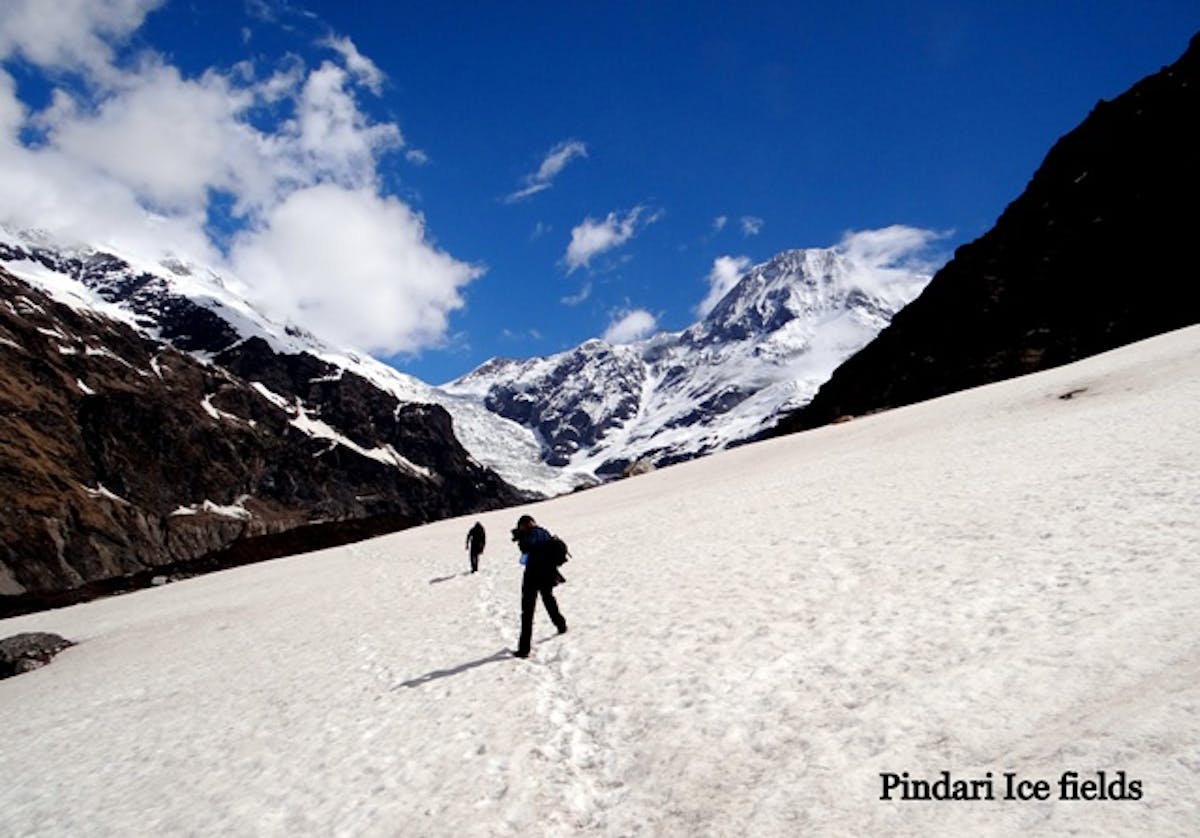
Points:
(476, 538)
(538, 566)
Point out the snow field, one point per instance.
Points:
(1000, 580)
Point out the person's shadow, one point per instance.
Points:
(502, 654)
(437, 674)
(441, 579)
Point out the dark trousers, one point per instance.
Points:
(474, 560)
(531, 586)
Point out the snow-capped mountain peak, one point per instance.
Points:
(766, 346)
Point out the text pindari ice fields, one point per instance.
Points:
(1010, 786)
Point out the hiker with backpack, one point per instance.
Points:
(542, 554)
(476, 540)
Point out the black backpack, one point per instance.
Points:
(553, 551)
(556, 551)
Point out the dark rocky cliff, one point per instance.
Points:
(122, 458)
(1096, 253)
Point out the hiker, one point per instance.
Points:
(541, 575)
(476, 539)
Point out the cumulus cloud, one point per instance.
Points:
(356, 266)
(725, 273)
(335, 139)
(552, 165)
(751, 225)
(167, 139)
(629, 326)
(134, 155)
(70, 34)
(591, 238)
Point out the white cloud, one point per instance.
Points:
(12, 112)
(552, 165)
(591, 238)
(725, 273)
(337, 140)
(886, 257)
(356, 266)
(558, 158)
(628, 326)
(751, 225)
(261, 10)
(528, 191)
(416, 156)
(578, 297)
(168, 139)
(719, 223)
(887, 245)
(70, 34)
(363, 68)
(133, 158)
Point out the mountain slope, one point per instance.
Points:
(124, 458)
(199, 312)
(766, 346)
(546, 425)
(1000, 580)
(1095, 253)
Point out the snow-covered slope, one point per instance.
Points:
(1001, 580)
(766, 347)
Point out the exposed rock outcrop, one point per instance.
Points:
(28, 651)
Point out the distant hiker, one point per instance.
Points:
(476, 539)
(542, 554)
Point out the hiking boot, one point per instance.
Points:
(519, 654)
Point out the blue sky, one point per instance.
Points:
(445, 182)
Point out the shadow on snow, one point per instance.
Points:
(438, 674)
(500, 655)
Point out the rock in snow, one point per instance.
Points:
(28, 651)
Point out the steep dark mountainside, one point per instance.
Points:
(1096, 253)
(122, 458)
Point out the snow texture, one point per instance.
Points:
(1004, 579)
